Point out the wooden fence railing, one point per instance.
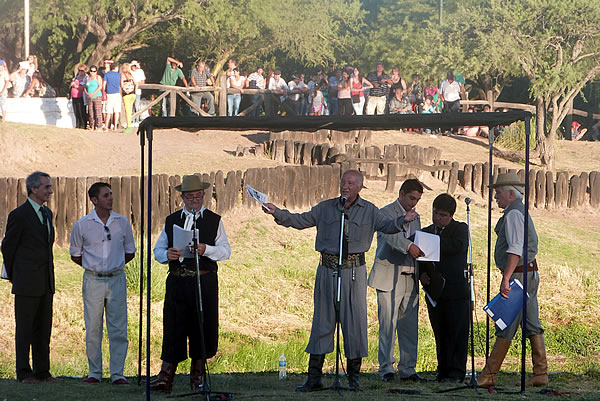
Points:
(220, 92)
(287, 186)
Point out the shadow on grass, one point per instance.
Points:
(266, 385)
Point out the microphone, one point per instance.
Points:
(467, 200)
(343, 199)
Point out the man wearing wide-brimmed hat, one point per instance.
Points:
(508, 256)
(180, 317)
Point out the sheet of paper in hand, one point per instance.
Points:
(429, 244)
(257, 196)
(183, 240)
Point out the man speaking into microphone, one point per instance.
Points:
(180, 313)
(362, 219)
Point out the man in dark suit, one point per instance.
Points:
(449, 316)
(29, 265)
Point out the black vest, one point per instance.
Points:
(207, 225)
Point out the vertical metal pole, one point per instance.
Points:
(489, 237)
(525, 253)
(441, 10)
(26, 28)
(148, 260)
(142, 135)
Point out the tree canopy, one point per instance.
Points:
(554, 44)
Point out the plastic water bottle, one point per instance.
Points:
(282, 367)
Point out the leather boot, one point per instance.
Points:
(353, 372)
(164, 380)
(540, 364)
(197, 374)
(492, 366)
(315, 371)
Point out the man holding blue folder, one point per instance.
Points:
(509, 259)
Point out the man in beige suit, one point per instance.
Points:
(395, 277)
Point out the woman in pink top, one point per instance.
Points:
(77, 86)
(344, 100)
(358, 96)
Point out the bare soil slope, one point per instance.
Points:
(70, 152)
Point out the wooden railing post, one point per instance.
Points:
(223, 95)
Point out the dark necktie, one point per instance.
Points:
(45, 221)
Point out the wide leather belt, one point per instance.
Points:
(531, 267)
(109, 274)
(182, 272)
(353, 260)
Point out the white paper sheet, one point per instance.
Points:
(429, 244)
(183, 240)
(257, 196)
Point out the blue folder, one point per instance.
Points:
(503, 311)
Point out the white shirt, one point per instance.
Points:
(280, 84)
(450, 91)
(138, 75)
(90, 240)
(293, 85)
(259, 79)
(220, 251)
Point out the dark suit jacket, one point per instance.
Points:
(27, 252)
(454, 244)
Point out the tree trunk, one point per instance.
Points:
(544, 142)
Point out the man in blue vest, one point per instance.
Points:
(180, 313)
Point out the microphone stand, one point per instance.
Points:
(473, 384)
(205, 390)
(337, 385)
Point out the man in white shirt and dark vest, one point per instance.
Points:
(509, 258)
(102, 243)
(180, 313)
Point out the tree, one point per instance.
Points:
(65, 32)
(555, 44)
(312, 32)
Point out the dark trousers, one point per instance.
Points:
(180, 318)
(33, 318)
(452, 107)
(450, 323)
(79, 111)
(272, 103)
(345, 107)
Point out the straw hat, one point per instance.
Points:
(508, 179)
(192, 183)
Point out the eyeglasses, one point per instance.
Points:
(107, 231)
(92, 70)
(197, 197)
(81, 70)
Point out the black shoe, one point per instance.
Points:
(353, 373)
(415, 377)
(311, 384)
(388, 377)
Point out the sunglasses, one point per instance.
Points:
(107, 231)
(92, 70)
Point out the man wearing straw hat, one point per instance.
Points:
(509, 259)
(180, 315)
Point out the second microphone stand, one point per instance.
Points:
(473, 384)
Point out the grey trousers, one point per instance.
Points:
(110, 294)
(533, 326)
(353, 312)
(398, 312)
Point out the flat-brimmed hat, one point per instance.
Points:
(192, 183)
(508, 179)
